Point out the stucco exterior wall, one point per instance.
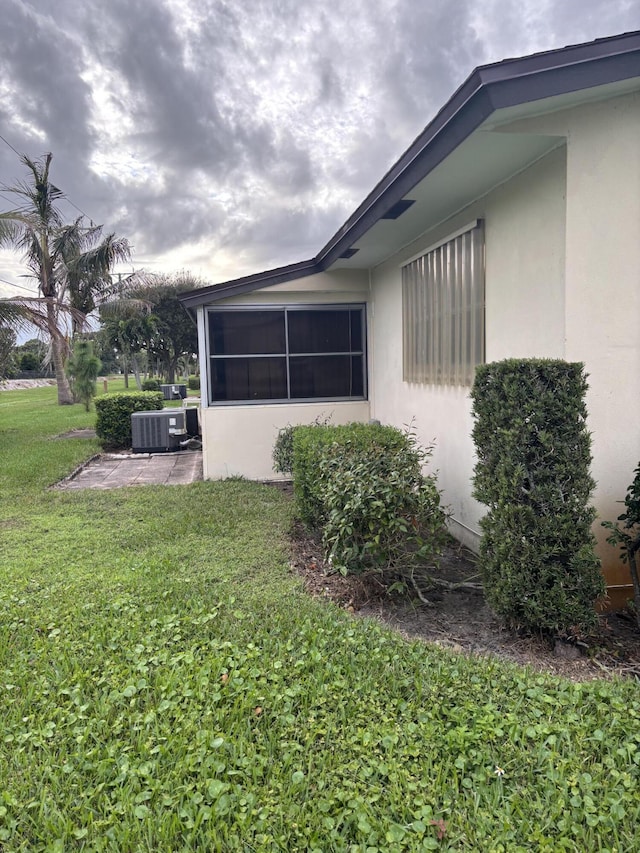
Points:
(525, 237)
(238, 439)
(603, 288)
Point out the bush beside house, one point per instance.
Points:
(113, 422)
(537, 555)
(363, 486)
(627, 535)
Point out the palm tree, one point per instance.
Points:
(88, 267)
(70, 269)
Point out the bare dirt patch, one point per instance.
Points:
(460, 619)
(78, 433)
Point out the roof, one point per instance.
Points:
(489, 90)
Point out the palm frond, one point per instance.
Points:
(110, 251)
(20, 312)
(124, 308)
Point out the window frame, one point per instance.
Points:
(444, 310)
(287, 308)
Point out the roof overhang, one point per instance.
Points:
(459, 156)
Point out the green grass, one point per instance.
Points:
(166, 685)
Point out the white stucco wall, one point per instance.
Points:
(602, 272)
(524, 235)
(238, 439)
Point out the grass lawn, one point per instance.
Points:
(166, 685)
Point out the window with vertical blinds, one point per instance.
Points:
(443, 311)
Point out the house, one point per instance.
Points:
(509, 228)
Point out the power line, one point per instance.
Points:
(19, 286)
(10, 145)
(66, 198)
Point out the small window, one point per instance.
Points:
(290, 353)
(443, 311)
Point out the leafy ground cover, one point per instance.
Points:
(166, 684)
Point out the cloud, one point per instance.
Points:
(205, 130)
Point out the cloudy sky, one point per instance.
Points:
(225, 137)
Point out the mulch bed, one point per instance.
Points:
(460, 619)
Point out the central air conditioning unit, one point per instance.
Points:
(174, 392)
(156, 432)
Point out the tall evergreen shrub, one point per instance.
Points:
(83, 369)
(537, 555)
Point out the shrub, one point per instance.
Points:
(193, 383)
(363, 484)
(536, 555)
(309, 445)
(113, 423)
(151, 385)
(283, 448)
(83, 369)
(29, 361)
(282, 455)
(628, 535)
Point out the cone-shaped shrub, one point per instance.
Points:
(537, 557)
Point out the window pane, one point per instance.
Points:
(356, 318)
(319, 331)
(357, 376)
(326, 376)
(246, 332)
(248, 379)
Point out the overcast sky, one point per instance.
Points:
(225, 137)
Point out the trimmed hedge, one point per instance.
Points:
(309, 445)
(151, 385)
(363, 485)
(537, 555)
(113, 423)
(193, 383)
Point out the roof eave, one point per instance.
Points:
(487, 89)
(247, 284)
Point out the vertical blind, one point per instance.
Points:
(443, 311)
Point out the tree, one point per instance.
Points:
(67, 262)
(83, 368)
(7, 352)
(128, 329)
(31, 355)
(147, 315)
(176, 335)
(106, 352)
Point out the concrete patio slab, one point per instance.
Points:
(114, 471)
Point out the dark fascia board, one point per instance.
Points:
(487, 89)
(247, 284)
